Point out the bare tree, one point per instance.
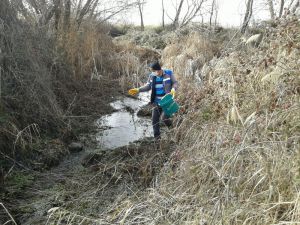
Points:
(271, 9)
(281, 8)
(47, 14)
(108, 13)
(93, 8)
(178, 11)
(84, 11)
(213, 6)
(297, 4)
(35, 6)
(290, 5)
(192, 9)
(248, 15)
(57, 13)
(19, 6)
(141, 6)
(67, 14)
(216, 13)
(78, 8)
(163, 13)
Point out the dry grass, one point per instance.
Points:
(237, 160)
(89, 51)
(192, 47)
(242, 172)
(10, 219)
(49, 80)
(131, 62)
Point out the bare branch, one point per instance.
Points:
(92, 11)
(34, 5)
(108, 13)
(84, 11)
(67, 14)
(163, 13)
(247, 16)
(178, 11)
(195, 11)
(140, 5)
(19, 6)
(212, 12)
(281, 8)
(297, 4)
(271, 9)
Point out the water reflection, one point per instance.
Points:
(124, 126)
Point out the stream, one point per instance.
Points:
(124, 126)
(82, 189)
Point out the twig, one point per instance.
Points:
(12, 219)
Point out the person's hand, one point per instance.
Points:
(133, 91)
(173, 92)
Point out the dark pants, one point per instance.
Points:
(156, 113)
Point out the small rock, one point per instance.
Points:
(129, 109)
(145, 111)
(92, 159)
(75, 147)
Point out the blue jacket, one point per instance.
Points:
(169, 82)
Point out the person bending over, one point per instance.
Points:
(160, 82)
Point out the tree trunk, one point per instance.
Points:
(78, 8)
(57, 14)
(247, 16)
(178, 11)
(67, 15)
(271, 9)
(92, 13)
(48, 14)
(281, 8)
(211, 13)
(140, 5)
(163, 13)
(290, 5)
(83, 12)
(216, 14)
(296, 6)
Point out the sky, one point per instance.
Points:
(230, 12)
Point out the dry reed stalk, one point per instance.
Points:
(10, 216)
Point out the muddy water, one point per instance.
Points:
(124, 126)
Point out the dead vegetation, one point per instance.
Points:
(237, 158)
(56, 75)
(237, 161)
(106, 180)
(56, 62)
(237, 154)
